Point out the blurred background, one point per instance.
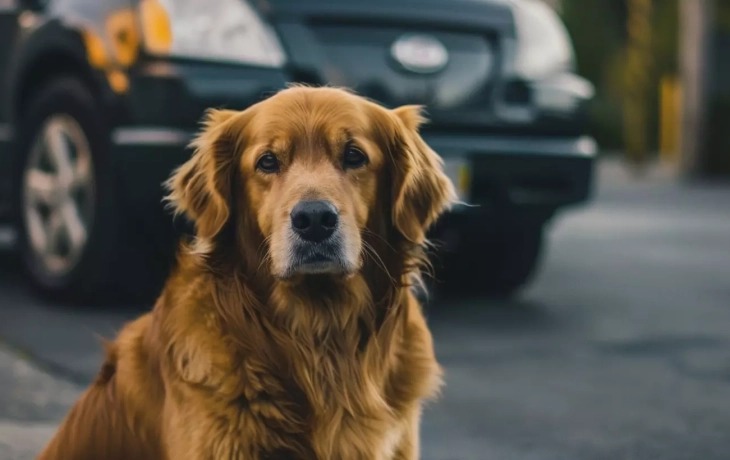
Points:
(661, 78)
(580, 307)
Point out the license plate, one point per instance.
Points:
(458, 169)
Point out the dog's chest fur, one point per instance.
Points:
(329, 397)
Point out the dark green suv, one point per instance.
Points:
(99, 99)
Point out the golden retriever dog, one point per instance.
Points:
(287, 329)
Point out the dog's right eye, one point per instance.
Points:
(268, 163)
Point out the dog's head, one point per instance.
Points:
(307, 174)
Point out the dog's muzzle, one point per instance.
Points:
(317, 245)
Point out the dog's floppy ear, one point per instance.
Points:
(201, 187)
(421, 189)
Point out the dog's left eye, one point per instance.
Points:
(268, 163)
(354, 157)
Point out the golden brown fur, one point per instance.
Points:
(240, 359)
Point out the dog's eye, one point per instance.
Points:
(268, 163)
(354, 157)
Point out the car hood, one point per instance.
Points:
(462, 13)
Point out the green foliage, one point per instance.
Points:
(598, 30)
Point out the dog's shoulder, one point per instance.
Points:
(192, 344)
(131, 364)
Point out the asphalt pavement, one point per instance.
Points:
(31, 403)
(620, 349)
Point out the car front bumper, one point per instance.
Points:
(522, 172)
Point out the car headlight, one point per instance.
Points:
(216, 30)
(543, 46)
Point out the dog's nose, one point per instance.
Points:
(314, 220)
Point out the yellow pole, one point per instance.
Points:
(670, 123)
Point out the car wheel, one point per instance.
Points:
(66, 209)
(496, 263)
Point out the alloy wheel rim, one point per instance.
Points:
(58, 195)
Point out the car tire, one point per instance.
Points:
(496, 263)
(68, 220)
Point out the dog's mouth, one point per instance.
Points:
(317, 259)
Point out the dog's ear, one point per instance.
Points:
(421, 189)
(201, 187)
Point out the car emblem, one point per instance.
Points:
(420, 53)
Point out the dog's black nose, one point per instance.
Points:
(314, 220)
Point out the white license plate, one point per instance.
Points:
(458, 169)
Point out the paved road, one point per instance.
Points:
(619, 350)
(31, 403)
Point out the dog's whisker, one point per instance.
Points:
(264, 260)
(370, 232)
(262, 252)
(369, 250)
